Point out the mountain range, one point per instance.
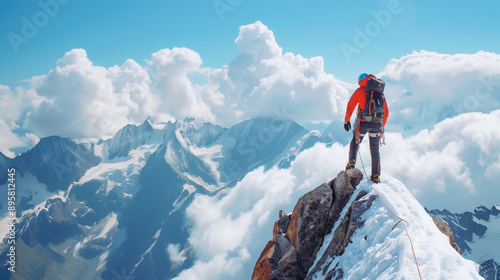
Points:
(113, 208)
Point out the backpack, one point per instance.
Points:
(374, 105)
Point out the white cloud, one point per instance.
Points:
(494, 168)
(424, 88)
(169, 69)
(455, 161)
(212, 269)
(223, 225)
(80, 98)
(12, 106)
(262, 81)
(256, 39)
(131, 84)
(176, 256)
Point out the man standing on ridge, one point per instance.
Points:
(371, 119)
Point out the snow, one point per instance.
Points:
(26, 185)
(173, 161)
(155, 238)
(382, 250)
(101, 230)
(186, 188)
(158, 126)
(482, 246)
(124, 168)
(107, 225)
(207, 155)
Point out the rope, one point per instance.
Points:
(400, 219)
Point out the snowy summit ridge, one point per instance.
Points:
(345, 230)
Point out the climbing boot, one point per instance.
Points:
(375, 178)
(351, 164)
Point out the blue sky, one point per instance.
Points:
(112, 31)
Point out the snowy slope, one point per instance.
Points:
(381, 249)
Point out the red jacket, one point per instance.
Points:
(359, 98)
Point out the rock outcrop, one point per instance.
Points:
(445, 228)
(297, 237)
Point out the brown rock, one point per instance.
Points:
(262, 268)
(275, 229)
(444, 228)
(293, 227)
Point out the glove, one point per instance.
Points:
(347, 126)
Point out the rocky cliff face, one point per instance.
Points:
(299, 236)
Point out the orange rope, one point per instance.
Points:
(414, 256)
(400, 219)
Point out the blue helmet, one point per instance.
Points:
(362, 76)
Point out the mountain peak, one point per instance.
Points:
(128, 138)
(57, 161)
(347, 230)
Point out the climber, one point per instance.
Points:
(371, 119)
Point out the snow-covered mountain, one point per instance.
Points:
(95, 210)
(342, 230)
(474, 233)
(117, 208)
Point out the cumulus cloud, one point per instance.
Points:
(13, 104)
(80, 98)
(455, 161)
(256, 39)
(424, 88)
(212, 269)
(170, 69)
(264, 81)
(223, 225)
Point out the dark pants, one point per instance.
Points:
(373, 130)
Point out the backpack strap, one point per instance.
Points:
(370, 107)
